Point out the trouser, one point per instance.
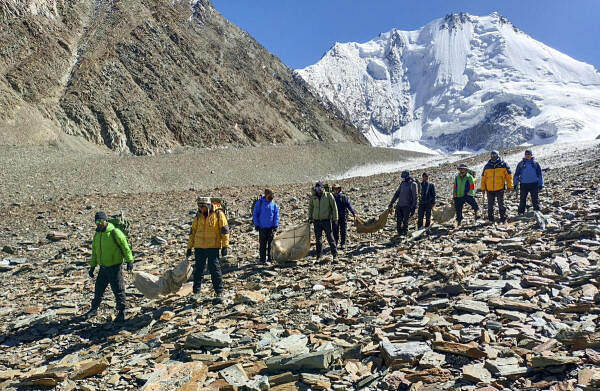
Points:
(265, 239)
(112, 275)
(202, 256)
(402, 215)
(339, 231)
(529, 188)
(320, 227)
(459, 203)
(492, 196)
(424, 211)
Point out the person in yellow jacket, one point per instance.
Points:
(495, 178)
(209, 233)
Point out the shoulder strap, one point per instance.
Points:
(113, 235)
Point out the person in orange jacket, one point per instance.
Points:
(209, 233)
(496, 177)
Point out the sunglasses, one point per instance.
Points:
(100, 221)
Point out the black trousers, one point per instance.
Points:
(265, 239)
(202, 257)
(459, 202)
(339, 231)
(112, 275)
(402, 215)
(525, 189)
(424, 211)
(492, 197)
(321, 226)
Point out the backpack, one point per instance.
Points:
(122, 224)
(219, 204)
(472, 172)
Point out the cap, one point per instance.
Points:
(100, 216)
(462, 165)
(203, 200)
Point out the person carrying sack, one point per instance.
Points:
(265, 217)
(322, 213)
(109, 250)
(407, 202)
(209, 233)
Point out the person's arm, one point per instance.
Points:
(413, 189)
(508, 177)
(349, 206)
(540, 176)
(517, 175)
(190, 243)
(94, 260)
(310, 209)
(333, 207)
(255, 213)
(483, 180)
(121, 241)
(432, 193)
(471, 182)
(396, 195)
(223, 229)
(276, 217)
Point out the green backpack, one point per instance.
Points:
(121, 222)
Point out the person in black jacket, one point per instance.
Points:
(343, 206)
(426, 202)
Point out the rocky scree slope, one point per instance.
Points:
(461, 81)
(144, 75)
(509, 306)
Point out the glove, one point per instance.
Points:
(188, 253)
(91, 271)
(256, 228)
(130, 266)
(224, 252)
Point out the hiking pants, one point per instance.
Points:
(265, 239)
(529, 188)
(402, 215)
(459, 202)
(492, 196)
(339, 231)
(202, 256)
(320, 227)
(112, 275)
(424, 211)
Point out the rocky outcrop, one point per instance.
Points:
(145, 75)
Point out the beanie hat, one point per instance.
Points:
(528, 152)
(494, 153)
(203, 200)
(100, 216)
(405, 174)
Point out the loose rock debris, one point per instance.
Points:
(480, 307)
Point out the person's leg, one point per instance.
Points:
(420, 215)
(336, 231)
(270, 236)
(471, 201)
(102, 282)
(491, 198)
(118, 286)
(535, 196)
(428, 209)
(458, 206)
(329, 236)
(214, 267)
(318, 233)
(398, 214)
(405, 217)
(262, 245)
(199, 267)
(343, 224)
(501, 207)
(522, 198)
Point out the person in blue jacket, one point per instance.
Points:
(529, 174)
(266, 221)
(343, 206)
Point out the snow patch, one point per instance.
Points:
(377, 69)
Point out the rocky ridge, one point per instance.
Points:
(486, 307)
(143, 76)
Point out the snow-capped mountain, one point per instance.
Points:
(460, 82)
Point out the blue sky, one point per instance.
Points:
(300, 32)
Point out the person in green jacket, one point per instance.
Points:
(109, 250)
(463, 192)
(322, 212)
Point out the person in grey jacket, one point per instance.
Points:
(407, 202)
(323, 213)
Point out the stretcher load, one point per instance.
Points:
(371, 225)
(171, 281)
(292, 244)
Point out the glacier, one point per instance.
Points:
(461, 82)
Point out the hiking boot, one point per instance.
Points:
(90, 314)
(120, 318)
(196, 298)
(334, 257)
(218, 298)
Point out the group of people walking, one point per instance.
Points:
(327, 212)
